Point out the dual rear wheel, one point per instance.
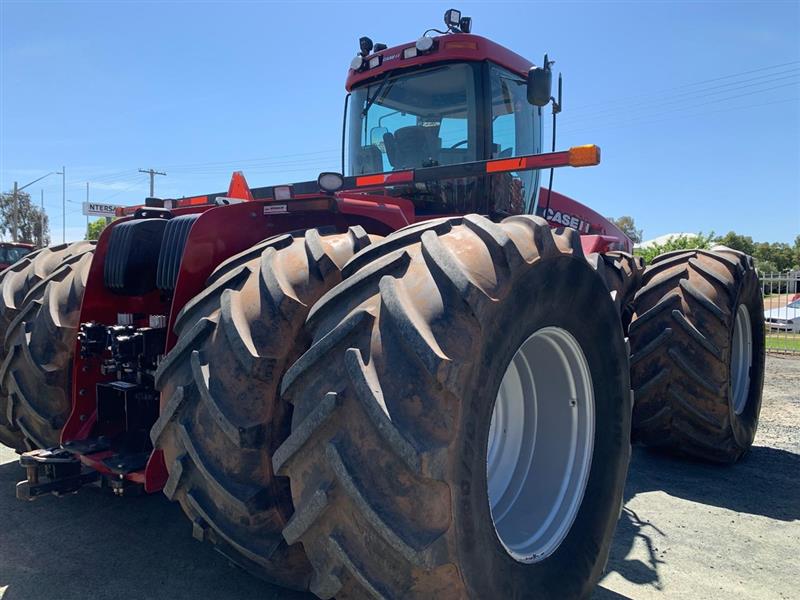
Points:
(455, 413)
(445, 405)
(454, 416)
(40, 301)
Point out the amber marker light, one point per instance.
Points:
(584, 156)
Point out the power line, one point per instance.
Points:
(246, 160)
(628, 108)
(686, 85)
(684, 115)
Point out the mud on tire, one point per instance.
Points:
(221, 415)
(696, 393)
(393, 402)
(36, 371)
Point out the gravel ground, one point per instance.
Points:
(688, 530)
(691, 530)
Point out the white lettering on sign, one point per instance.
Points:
(272, 209)
(98, 209)
(567, 220)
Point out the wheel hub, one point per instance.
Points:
(741, 360)
(540, 446)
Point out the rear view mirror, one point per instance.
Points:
(540, 83)
(376, 137)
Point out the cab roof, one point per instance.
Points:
(451, 47)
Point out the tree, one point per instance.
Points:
(796, 265)
(33, 227)
(681, 242)
(628, 227)
(770, 257)
(94, 228)
(778, 253)
(742, 243)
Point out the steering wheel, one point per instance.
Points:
(461, 143)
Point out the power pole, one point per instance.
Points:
(14, 214)
(63, 173)
(87, 216)
(41, 221)
(152, 173)
(15, 202)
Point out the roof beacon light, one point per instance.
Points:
(282, 192)
(465, 25)
(424, 44)
(330, 182)
(379, 47)
(452, 18)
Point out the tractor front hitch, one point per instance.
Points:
(52, 471)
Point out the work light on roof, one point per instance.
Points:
(452, 18)
(456, 23)
(424, 44)
(357, 62)
(365, 44)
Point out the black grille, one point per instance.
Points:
(169, 259)
(132, 257)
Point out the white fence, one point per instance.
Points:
(782, 311)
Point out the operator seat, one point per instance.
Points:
(369, 160)
(412, 147)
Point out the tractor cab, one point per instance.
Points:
(447, 100)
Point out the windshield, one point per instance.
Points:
(10, 255)
(421, 119)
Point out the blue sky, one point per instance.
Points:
(696, 105)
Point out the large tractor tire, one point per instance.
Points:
(221, 413)
(19, 278)
(622, 273)
(450, 352)
(697, 354)
(36, 372)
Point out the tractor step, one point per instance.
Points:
(87, 446)
(122, 464)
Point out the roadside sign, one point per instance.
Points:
(97, 209)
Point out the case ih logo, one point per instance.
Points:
(567, 220)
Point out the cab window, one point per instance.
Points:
(515, 132)
(421, 119)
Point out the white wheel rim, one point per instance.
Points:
(540, 446)
(741, 360)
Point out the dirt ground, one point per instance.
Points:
(688, 530)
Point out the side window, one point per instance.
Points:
(512, 116)
(516, 131)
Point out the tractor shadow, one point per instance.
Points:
(764, 483)
(95, 545)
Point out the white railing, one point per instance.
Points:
(782, 311)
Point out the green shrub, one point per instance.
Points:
(681, 242)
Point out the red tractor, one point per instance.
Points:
(393, 382)
(11, 252)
